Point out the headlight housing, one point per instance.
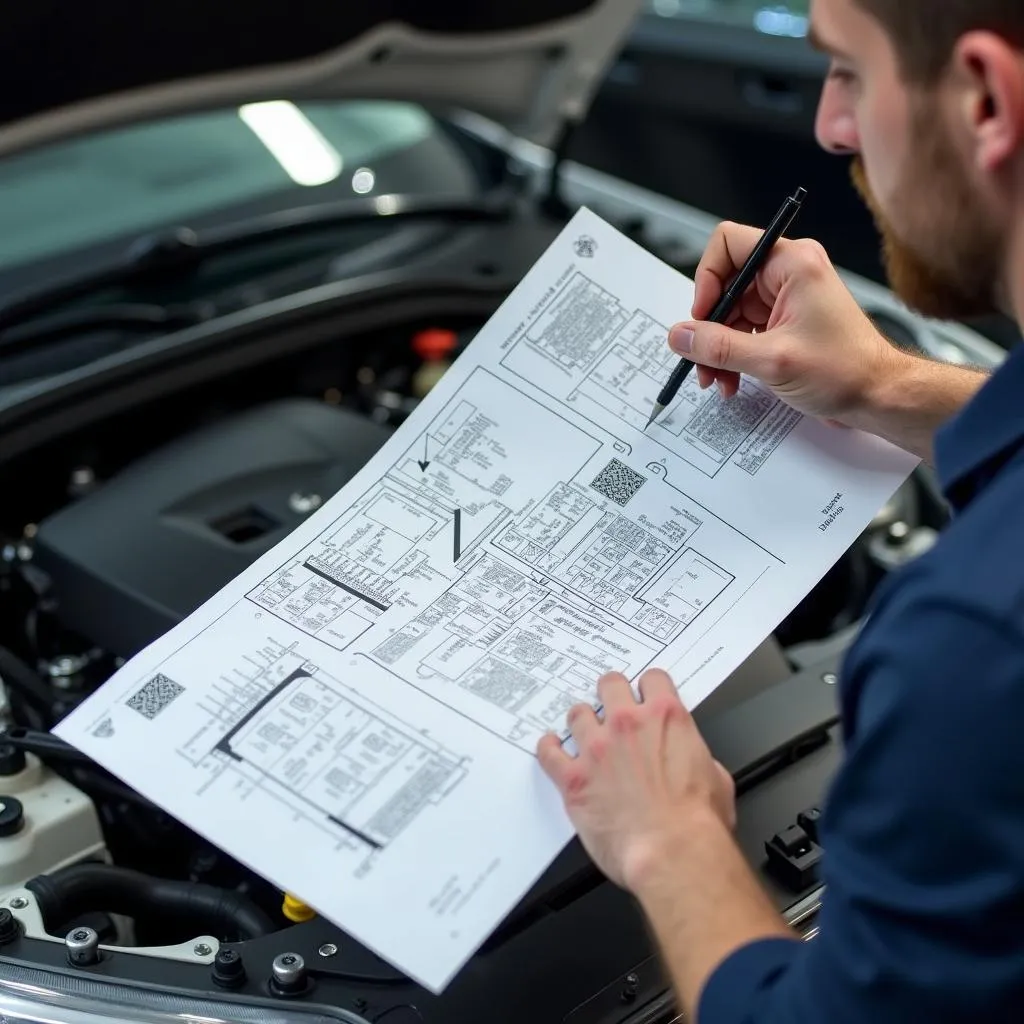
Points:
(31, 996)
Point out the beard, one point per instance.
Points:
(944, 257)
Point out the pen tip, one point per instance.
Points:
(655, 413)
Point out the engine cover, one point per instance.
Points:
(132, 559)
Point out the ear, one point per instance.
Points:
(988, 76)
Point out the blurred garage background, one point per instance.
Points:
(713, 102)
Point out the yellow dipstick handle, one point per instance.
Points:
(295, 910)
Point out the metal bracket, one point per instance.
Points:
(25, 908)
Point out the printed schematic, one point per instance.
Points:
(281, 724)
(585, 348)
(502, 585)
(355, 717)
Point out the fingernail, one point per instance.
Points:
(681, 340)
(721, 387)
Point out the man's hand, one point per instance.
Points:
(642, 777)
(814, 345)
(655, 811)
(800, 331)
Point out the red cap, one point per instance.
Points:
(434, 343)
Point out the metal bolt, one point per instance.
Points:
(328, 949)
(82, 478)
(18, 903)
(303, 504)
(631, 987)
(63, 670)
(899, 532)
(202, 949)
(289, 972)
(830, 679)
(82, 945)
(228, 969)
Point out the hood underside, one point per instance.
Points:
(530, 65)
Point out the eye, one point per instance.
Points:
(843, 75)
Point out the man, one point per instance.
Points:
(924, 827)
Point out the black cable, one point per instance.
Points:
(395, 1009)
(22, 677)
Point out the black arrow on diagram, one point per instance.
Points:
(424, 462)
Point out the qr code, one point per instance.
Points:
(618, 482)
(155, 696)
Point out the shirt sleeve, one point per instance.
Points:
(923, 914)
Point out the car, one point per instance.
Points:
(238, 249)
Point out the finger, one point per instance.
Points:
(583, 723)
(753, 311)
(727, 796)
(730, 247)
(553, 759)
(706, 377)
(655, 683)
(728, 783)
(728, 385)
(727, 250)
(722, 348)
(615, 692)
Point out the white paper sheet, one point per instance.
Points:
(355, 716)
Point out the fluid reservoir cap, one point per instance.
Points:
(434, 343)
(12, 759)
(12, 815)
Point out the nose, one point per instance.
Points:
(836, 126)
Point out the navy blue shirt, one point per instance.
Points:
(923, 916)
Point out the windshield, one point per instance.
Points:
(72, 195)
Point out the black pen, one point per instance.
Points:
(778, 227)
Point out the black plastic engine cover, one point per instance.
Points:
(132, 559)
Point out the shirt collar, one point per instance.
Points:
(972, 448)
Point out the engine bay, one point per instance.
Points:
(114, 531)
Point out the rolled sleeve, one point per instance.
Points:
(923, 836)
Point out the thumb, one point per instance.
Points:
(721, 348)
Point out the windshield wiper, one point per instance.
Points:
(179, 252)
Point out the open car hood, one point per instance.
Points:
(531, 65)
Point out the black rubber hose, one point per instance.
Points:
(83, 888)
(24, 679)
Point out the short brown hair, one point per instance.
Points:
(924, 32)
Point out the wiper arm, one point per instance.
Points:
(180, 251)
(123, 317)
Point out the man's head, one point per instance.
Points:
(929, 97)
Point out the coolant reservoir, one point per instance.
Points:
(45, 822)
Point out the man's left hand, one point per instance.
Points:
(642, 779)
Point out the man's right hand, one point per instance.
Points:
(814, 346)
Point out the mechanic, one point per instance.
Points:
(923, 918)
